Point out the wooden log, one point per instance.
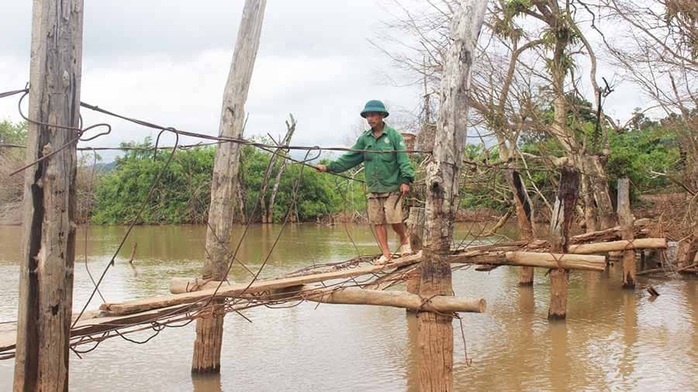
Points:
(613, 233)
(532, 259)
(236, 289)
(48, 240)
(625, 217)
(209, 331)
(622, 245)
(188, 285)
(442, 184)
(396, 299)
(558, 260)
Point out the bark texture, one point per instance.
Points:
(560, 223)
(209, 331)
(625, 215)
(442, 181)
(48, 241)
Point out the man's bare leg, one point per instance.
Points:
(382, 234)
(401, 232)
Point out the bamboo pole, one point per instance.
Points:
(559, 238)
(48, 241)
(209, 330)
(442, 181)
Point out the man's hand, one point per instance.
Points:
(404, 188)
(321, 168)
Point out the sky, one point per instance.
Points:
(167, 62)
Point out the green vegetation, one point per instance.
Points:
(183, 192)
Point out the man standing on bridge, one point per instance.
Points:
(388, 173)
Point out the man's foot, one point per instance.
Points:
(382, 260)
(405, 249)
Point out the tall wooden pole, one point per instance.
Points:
(209, 329)
(625, 216)
(560, 223)
(442, 180)
(48, 233)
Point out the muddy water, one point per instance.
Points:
(612, 340)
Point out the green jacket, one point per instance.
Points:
(384, 172)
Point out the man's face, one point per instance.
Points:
(374, 119)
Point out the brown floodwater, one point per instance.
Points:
(613, 339)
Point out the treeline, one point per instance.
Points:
(648, 152)
(182, 193)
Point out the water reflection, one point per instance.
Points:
(206, 382)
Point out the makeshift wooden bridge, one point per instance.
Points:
(355, 281)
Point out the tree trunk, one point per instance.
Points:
(593, 169)
(523, 219)
(626, 218)
(442, 180)
(225, 174)
(415, 230)
(48, 233)
(590, 221)
(559, 238)
(291, 129)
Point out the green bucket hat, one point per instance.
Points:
(374, 106)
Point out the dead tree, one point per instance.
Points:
(290, 129)
(209, 328)
(442, 180)
(46, 273)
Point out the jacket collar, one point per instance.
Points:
(386, 129)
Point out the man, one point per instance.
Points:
(388, 175)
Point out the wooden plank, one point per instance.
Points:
(603, 247)
(234, 290)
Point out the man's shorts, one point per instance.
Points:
(384, 208)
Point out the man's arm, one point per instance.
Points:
(346, 161)
(406, 171)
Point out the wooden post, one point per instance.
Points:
(415, 228)
(442, 184)
(563, 212)
(48, 241)
(625, 216)
(209, 329)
